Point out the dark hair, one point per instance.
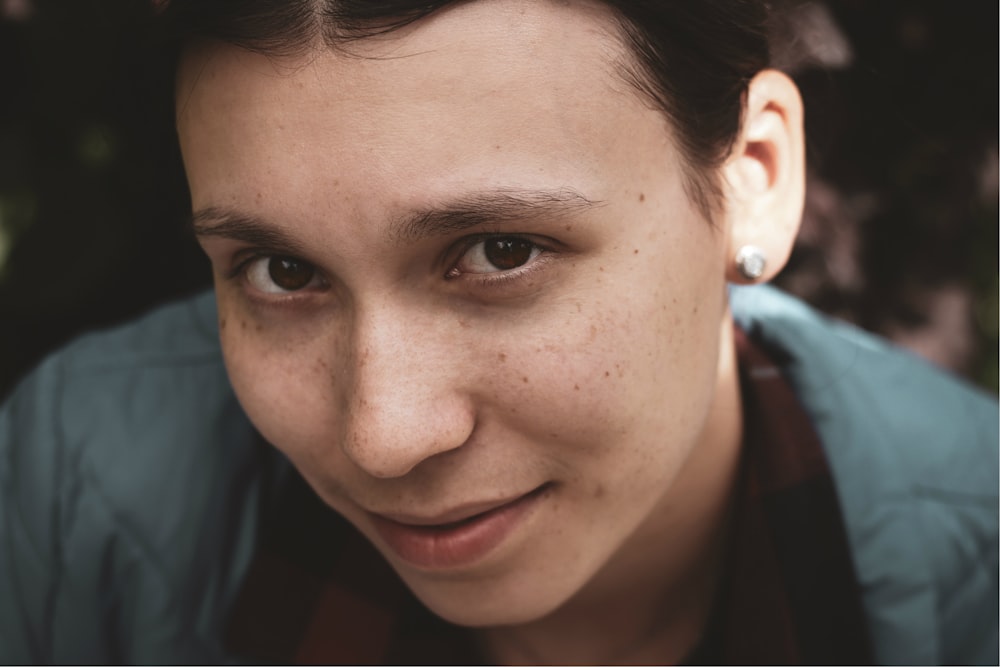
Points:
(692, 58)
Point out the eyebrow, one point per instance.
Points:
(503, 205)
(232, 224)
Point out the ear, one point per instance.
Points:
(765, 175)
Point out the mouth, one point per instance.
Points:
(457, 538)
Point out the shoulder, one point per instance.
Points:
(124, 461)
(914, 455)
(150, 392)
(859, 387)
(136, 378)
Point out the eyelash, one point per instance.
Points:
(501, 277)
(244, 261)
(493, 280)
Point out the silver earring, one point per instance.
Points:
(750, 261)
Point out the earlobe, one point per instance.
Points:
(765, 176)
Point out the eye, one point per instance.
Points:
(279, 275)
(496, 254)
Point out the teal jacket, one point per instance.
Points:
(132, 489)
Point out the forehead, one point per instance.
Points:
(489, 85)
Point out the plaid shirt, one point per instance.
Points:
(318, 592)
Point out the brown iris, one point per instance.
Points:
(508, 252)
(290, 274)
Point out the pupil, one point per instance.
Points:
(508, 253)
(289, 274)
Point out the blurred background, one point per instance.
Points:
(900, 233)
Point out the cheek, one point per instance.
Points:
(608, 369)
(620, 388)
(282, 378)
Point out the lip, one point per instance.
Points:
(459, 537)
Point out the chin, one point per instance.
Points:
(478, 605)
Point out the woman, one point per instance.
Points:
(473, 267)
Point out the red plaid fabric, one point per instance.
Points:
(318, 593)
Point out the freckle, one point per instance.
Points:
(554, 436)
(243, 325)
(222, 324)
(569, 228)
(502, 357)
(642, 197)
(635, 252)
(259, 196)
(259, 327)
(599, 491)
(498, 146)
(524, 380)
(601, 268)
(576, 387)
(607, 374)
(463, 324)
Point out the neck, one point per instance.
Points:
(651, 602)
(637, 625)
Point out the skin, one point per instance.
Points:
(408, 377)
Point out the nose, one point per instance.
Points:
(403, 399)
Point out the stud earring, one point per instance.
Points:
(750, 261)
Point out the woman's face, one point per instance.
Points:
(461, 287)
